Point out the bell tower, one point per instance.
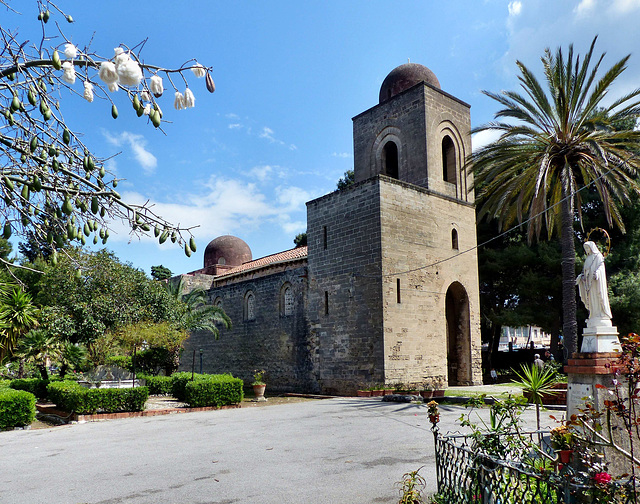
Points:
(393, 275)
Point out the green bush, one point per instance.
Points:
(37, 386)
(17, 408)
(5, 384)
(158, 385)
(179, 382)
(121, 361)
(69, 396)
(214, 390)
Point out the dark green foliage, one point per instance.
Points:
(17, 408)
(122, 361)
(214, 390)
(179, 382)
(300, 240)
(69, 396)
(158, 385)
(348, 179)
(36, 386)
(160, 273)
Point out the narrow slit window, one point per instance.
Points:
(398, 290)
(326, 302)
(324, 237)
(454, 239)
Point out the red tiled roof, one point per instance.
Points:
(286, 256)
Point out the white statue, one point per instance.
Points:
(592, 286)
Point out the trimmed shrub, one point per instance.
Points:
(122, 361)
(158, 385)
(17, 408)
(71, 397)
(5, 384)
(214, 390)
(179, 382)
(36, 386)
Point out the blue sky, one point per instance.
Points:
(290, 75)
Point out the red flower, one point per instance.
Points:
(602, 478)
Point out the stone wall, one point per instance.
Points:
(271, 341)
(343, 236)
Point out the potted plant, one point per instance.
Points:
(364, 393)
(438, 386)
(562, 442)
(377, 390)
(434, 414)
(427, 388)
(259, 385)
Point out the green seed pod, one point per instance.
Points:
(66, 207)
(86, 229)
(25, 220)
(12, 76)
(140, 111)
(8, 184)
(85, 163)
(6, 232)
(43, 85)
(94, 205)
(95, 240)
(156, 231)
(146, 227)
(10, 119)
(101, 233)
(136, 102)
(78, 275)
(54, 257)
(187, 250)
(15, 104)
(91, 163)
(57, 64)
(55, 165)
(31, 95)
(106, 233)
(47, 114)
(83, 240)
(163, 236)
(66, 136)
(36, 184)
(174, 237)
(115, 183)
(25, 192)
(45, 15)
(155, 118)
(52, 151)
(59, 239)
(33, 144)
(192, 244)
(58, 213)
(49, 237)
(102, 172)
(114, 111)
(69, 19)
(23, 158)
(103, 212)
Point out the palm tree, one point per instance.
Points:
(18, 315)
(38, 346)
(556, 141)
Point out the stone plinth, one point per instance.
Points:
(600, 338)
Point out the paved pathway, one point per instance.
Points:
(346, 451)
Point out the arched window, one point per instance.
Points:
(286, 300)
(390, 159)
(222, 260)
(218, 302)
(249, 310)
(448, 160)
(454, 239)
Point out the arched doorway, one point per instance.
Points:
(390, 159)
(458, 335)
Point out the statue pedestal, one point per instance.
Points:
(600, 339)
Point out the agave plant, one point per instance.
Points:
(537, 383)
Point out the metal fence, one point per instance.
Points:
(467, 475)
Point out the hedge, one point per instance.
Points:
(158, 385)
(179, 382)
(71, 397)
(17, 408)
(214, 390)
(37, 386)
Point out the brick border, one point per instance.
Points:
(75, 417)
(593, 363)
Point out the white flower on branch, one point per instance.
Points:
(68, 72)
(88, 91)
(179, 102)
(189, 99)
(199, 71)
(147, 109)
(145, 96)
(129, 72)
(70, 51)
(108, 73)
(156, 86)
(113, 86)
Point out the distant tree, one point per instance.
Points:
(47, 172)
(18, 315)
(347, 180)
(553, 144)
(36, 347)
(300, 240)
(160, 273)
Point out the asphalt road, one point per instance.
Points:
(340, 450)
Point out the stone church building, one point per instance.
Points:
(387, 289)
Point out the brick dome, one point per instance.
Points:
(404, 77)
(228, 250)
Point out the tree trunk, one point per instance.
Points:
(569, 322)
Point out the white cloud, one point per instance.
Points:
(483, 138)
(292, 198)
(341, 155)
(137, 144)
(584, 7)
(625, 6)
(235, 126)
(261, 172)
(515, 8)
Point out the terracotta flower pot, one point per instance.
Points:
(565, 456)
(377, 393)
(364, 393)
(258, 390)
(434, 418)
(427, 394)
